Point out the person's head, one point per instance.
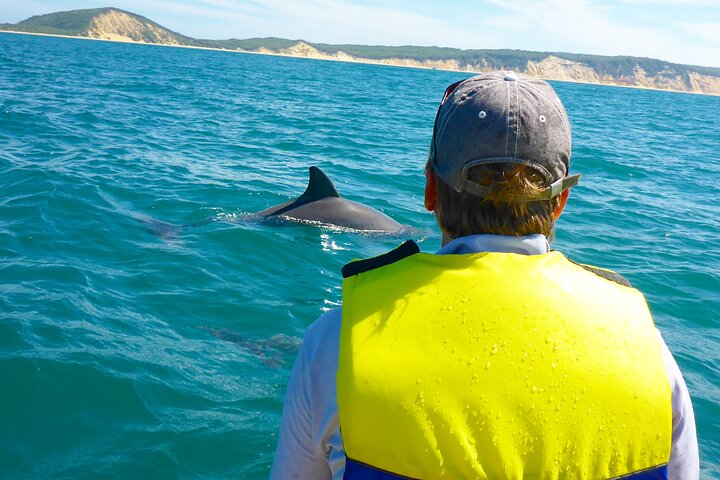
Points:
(500, 156)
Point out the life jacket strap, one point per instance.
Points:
(355, 470)
(357, 267)
(655, 473)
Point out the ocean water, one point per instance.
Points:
(134, 347)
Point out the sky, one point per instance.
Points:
(680, 31)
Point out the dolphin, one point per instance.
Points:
(321, 203)
(273, 351)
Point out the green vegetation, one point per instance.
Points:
(77, 22)
(712, 71)
(510, 59)
(69, 23)
(14, 27)
(271, 43)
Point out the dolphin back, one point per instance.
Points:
(321, 203)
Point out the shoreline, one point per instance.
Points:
(351, 59)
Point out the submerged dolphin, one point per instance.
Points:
(273, 351)
(321, 203)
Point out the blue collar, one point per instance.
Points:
(530, 245)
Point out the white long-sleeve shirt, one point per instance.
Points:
(310, 445)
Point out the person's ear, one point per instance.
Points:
(563, 200)
(430, 190)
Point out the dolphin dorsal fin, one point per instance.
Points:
(319, 186)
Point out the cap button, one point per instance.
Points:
(510, 77)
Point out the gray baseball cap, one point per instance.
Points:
(501, 117)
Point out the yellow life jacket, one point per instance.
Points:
(498, 366)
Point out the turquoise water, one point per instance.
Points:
(133, 349)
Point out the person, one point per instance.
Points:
(496, 357)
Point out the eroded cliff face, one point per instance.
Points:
(556, 68)
(119, 26)
(302, 49)
(550, 68)
(704, 84)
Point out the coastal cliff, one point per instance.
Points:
(118, 25)
(552, 67)
(102, 24)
